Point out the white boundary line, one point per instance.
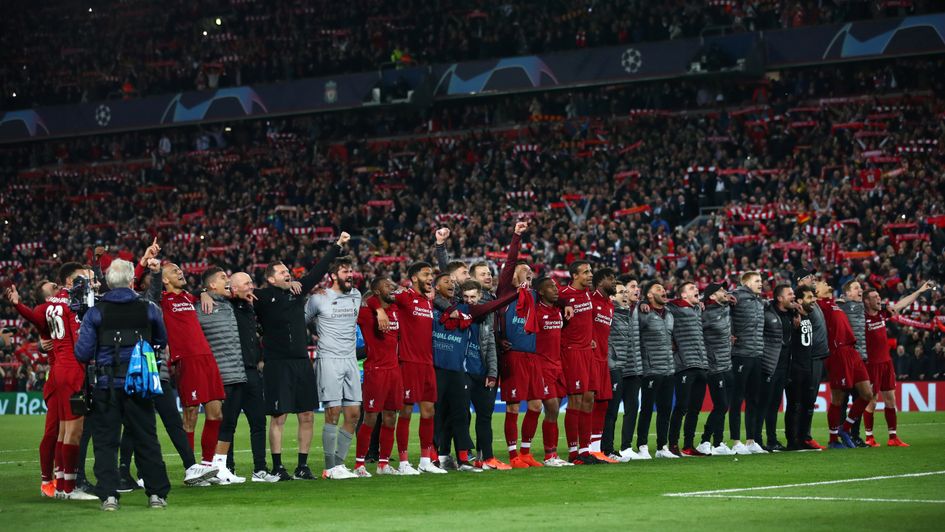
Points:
(714, 493)
(842, 499)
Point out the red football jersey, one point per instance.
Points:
(62, 326)
(839, 331)
(877, 341)
(548, 339)
(184, 335)
(381, 346)
(415, 317)
(603, 316)
(579, 330)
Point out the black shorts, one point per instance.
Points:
(290, 386)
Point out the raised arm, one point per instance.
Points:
(910, 299)
(34, 316)
(318, 272)
(478, 311)
(508, 269)
(156, 288)
(442, 258)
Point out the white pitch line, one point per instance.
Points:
(842, 499)
(800, 485)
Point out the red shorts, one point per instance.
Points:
(845, 368)
(522, 377)
(383, 389)
(67, 384)
(600, 380)
(198, 380)
(577, 365)
(419, 382)
(882, 375)
(554, 381)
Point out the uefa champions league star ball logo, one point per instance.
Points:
(631, 60)
(103, 115)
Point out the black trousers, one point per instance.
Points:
(746, 390)
(690, 392)
(248, 399)
(166, 407)
(451, 420)
(656, 391)
(137, 417)
(483, 402)
(626, 389)
(88, 426)
(802, 388)
(720, 385)
(772, 389)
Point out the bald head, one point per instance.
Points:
(173, 277)
(241, 285)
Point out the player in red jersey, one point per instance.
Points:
(845, 369)
(548, 347)
(48, 445)
(577, 357)
(415, 318)
(604, 281)
(879, 363)
(56, 320)
(198, 377)
(383, 388)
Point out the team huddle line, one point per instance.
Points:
(450, 340)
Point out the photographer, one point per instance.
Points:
(108, 335)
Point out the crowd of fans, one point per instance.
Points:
(140, 47)
(839, 171)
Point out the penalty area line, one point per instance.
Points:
(800, 485)
(811, 498)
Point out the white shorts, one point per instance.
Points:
(339, 382)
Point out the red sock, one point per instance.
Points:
(385, 444)
(549, 437)
(59, 468)
(47, 454)
(403, 436)
(511, 434)
(190, 440)
(208, 438)
(571, 430)
(833, 421)
(868, 423)
(362, 445)
(600, 414)
(426, 437)
(463, 456)
(529, 427)
(584, 432)
(890, 413)
(859, 406)
(70, 457)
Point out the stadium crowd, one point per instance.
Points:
(658, 240)
(797, 155)
(141, 48)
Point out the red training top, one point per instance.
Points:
(877, 341)
(578, 332)
(184, 335)
(603, 316)
(381, 346)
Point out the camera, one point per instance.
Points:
(81, 296)
(79, 404)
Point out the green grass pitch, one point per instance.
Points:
(616, 497)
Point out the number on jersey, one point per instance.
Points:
(57, 329)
